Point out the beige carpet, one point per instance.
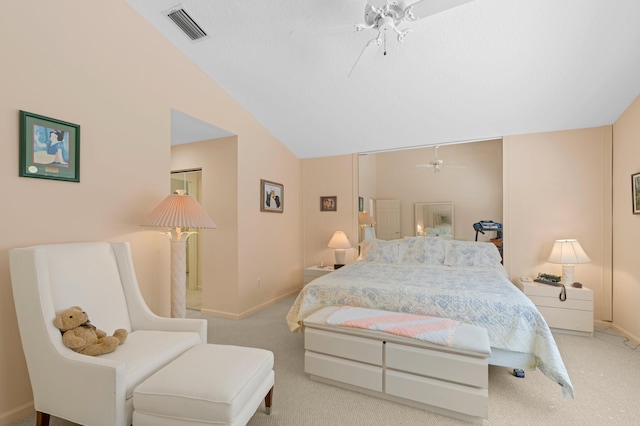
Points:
(604, 370)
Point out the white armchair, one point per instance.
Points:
(101, 279)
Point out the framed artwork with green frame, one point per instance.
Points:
(49, 148)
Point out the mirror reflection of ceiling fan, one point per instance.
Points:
(437, 164)
(385, 17)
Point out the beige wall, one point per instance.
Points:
(248, 245)
(559, 187)
(65, 60)
(329, 176)
(471, 178)
(120, 87)
(218, 160)
(626, 226)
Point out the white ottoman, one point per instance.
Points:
(208, 384)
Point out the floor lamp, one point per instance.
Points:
(179, 211)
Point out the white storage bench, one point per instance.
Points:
(448, 380)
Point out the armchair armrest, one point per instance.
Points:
(140, 315)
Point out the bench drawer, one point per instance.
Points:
(457, 398)
(440, 365)
(344, 346)
(342, 370)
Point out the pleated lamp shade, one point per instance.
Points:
(179, 210)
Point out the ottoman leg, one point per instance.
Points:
(42, 419)
(267, 401)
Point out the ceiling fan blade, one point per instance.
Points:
(424, 166)
(305, 33)
(366, 56)
(423, 8)
(377, 4)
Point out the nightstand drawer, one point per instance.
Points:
(555, 302)
(568, 319)
(537, 289)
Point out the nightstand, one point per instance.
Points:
(574, 315)
(313, 272)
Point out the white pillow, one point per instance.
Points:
(382, 251)
(434, 250)
(472, 253)
(412, 250)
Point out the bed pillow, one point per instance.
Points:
(434, 250)
(412, 250)
(382, 251)
(472, 253)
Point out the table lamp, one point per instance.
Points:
(568, 253)
(340, 243)
(179, 211)
(366, 223)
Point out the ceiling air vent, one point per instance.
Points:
(182, 19)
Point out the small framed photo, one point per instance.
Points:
(328, 204)
(49, 148)
(271, 196)
(360, 204)
(635, 192)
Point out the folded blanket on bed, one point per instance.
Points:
(421, 327)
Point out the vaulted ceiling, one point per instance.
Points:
(483, 69)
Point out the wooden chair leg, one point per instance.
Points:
(267, 401)
(42, 419)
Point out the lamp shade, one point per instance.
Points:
(568, 252)
(339, 241)
(365, 218)
(179, 210)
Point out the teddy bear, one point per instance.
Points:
(83, 337)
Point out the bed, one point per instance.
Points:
(462, 280)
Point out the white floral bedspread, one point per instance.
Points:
(480, 296)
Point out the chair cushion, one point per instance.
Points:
(209, 384)
(146, 351)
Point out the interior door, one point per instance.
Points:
(388, 219)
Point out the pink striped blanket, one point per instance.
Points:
(421, 327)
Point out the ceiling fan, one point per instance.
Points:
(385, 17)
(437, 163)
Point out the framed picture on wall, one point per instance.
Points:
(271, 196)
(635, 192)
(49, 148)
(328, 204)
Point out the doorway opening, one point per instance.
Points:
(191, 182)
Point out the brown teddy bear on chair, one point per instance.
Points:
(83, 337)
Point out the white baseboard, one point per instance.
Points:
(249, 312)
(16, 414)
(625, 333)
